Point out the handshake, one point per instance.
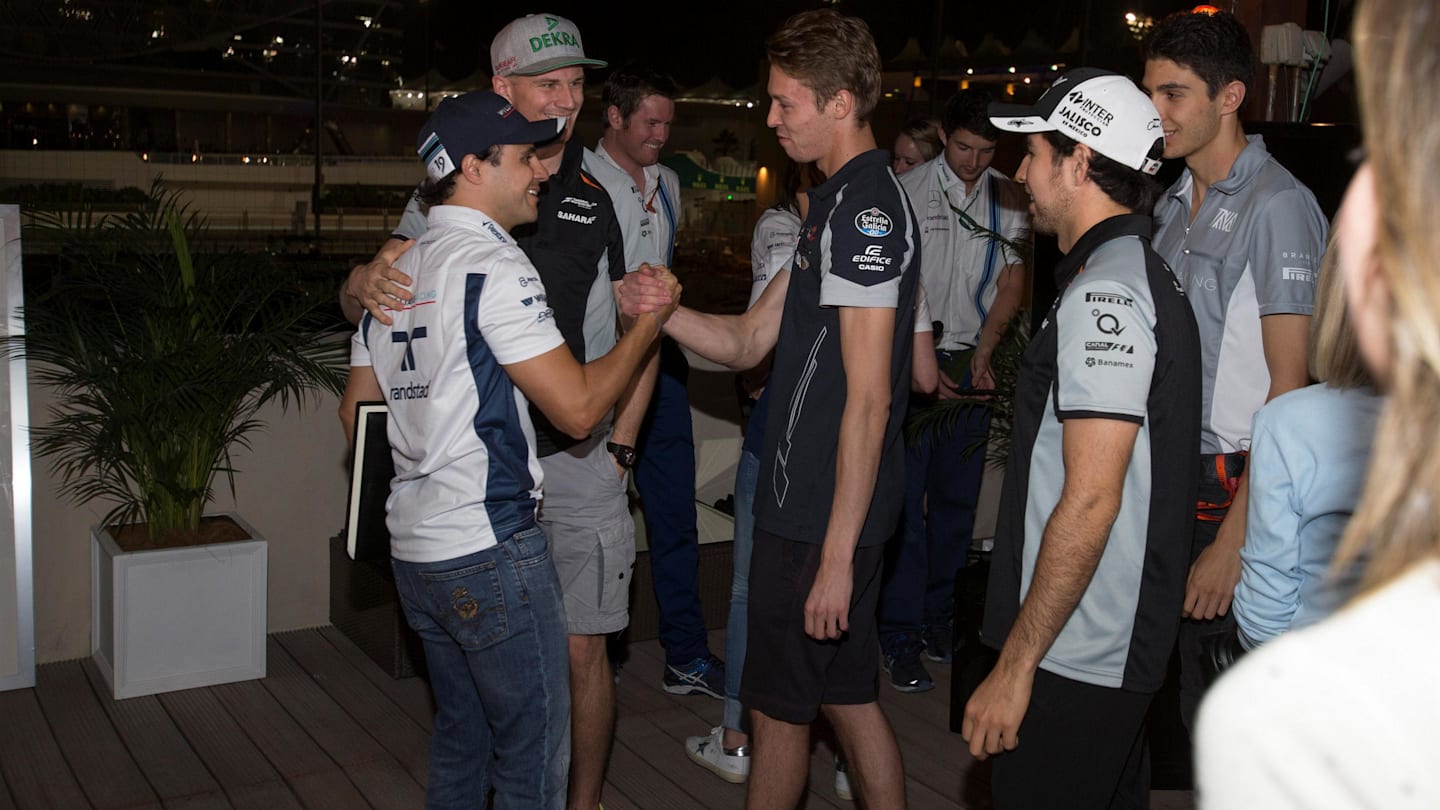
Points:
(652, 288)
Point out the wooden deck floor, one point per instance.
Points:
(328, 729)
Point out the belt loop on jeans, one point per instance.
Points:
(524, 525)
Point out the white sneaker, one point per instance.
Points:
(730, 764)
(842, 781)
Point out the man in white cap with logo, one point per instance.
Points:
(1092, 546)
(578, 248)
(458, 366)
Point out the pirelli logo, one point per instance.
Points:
(1297, 274)
(1109, 298)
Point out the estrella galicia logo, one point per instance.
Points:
(407, 363)
(874, 223)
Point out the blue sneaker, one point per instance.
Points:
(703, 676)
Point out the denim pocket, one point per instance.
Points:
(469, 603)
(528, 550)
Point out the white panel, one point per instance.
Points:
(17, 609)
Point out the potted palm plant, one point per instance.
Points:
(161, 356)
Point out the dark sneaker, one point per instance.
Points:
(703, 676)
(902, 662)
(939, 641)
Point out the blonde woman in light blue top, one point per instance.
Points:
(1309, 453)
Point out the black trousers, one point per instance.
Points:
(1082, 747)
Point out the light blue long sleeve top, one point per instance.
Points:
(1308, 458)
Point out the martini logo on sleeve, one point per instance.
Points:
(874, 223)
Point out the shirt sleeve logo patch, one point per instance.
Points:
(874, 223)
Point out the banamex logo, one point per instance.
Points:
(874, 222)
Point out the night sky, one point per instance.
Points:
(696, 41)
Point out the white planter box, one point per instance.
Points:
(170, 619)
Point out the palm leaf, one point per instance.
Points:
(161, 354)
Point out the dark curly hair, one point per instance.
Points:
(1215, 46)
(969, 110)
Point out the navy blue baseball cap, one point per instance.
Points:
(472, 123)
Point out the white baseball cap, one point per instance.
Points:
(1100, 109)
(538, 43)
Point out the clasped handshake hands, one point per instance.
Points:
(652, 288)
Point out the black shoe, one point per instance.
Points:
(939, 641)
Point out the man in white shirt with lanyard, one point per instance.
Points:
(974, 282)
(639, 108)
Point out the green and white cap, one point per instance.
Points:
(538, 43)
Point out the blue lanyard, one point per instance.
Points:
(992, 250)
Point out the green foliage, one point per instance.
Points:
(943, 415)
(162, 355)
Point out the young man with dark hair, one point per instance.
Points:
(1090, 552)
(639, 108)
(974, 283)
(1245, 238)
(457, 366)
(841, 322)
(577, 247)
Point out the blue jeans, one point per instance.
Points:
(493, 627)
(747, 473)
(665, 478)
(942, 487)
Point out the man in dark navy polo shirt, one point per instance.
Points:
(832, 469)
(1092, 546)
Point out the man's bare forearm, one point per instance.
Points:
(730, 340)
(1074, 539)
(635, 401)
(857, 465)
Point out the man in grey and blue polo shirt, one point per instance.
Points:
(1245, 238)
(1092, 542)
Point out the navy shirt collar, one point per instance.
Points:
(855, 165)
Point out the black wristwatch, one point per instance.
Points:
(624, 454)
